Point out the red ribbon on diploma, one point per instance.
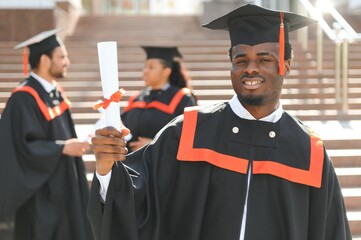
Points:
(115, 97)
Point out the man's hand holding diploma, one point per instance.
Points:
(109, 146)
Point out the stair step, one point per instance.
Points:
(345, 157)
(349, 177)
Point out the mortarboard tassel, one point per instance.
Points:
(25, 62)
(282, 46)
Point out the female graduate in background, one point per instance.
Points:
(165, 96)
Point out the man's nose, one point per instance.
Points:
(252, 67)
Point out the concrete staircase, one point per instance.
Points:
(307, 95)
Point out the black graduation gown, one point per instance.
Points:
(46, 191)
(191, 183)
(150, 110)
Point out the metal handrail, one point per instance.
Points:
(351, 33)
(341, 36)
(315, 13)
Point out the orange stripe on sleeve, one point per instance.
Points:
(49, 113)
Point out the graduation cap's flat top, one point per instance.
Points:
(251, 24)
(41, 42)
(165, 53)
(176, 53)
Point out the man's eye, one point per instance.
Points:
(262, 60)
(240, 61)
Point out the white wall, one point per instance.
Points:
(355, 4)
(34, 3)
(26, 3)
(175, 7)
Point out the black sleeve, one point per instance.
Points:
(116, 218)
(328, 211)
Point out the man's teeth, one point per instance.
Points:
(252, 82)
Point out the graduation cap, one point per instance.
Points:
(165, 53)
(39, 44)
(252, 25)
(177, 54)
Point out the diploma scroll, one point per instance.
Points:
(108, 64)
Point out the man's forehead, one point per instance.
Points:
(262, 48)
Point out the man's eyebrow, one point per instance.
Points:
(264, 54)
(238, 55)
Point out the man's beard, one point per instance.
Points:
(252, 100)
(57, 74)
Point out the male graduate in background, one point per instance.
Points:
(42, 175)
(239, 170)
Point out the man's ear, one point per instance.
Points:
(45, 60)
(287, 67)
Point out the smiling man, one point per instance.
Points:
(255, 77)
(240, 170)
